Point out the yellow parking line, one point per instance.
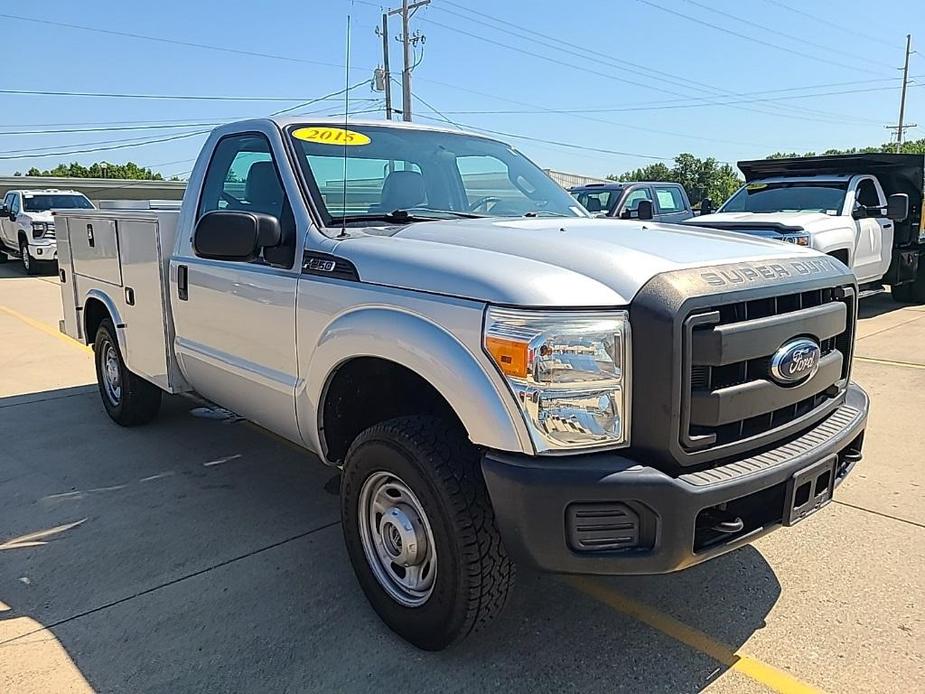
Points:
(45, 328)
(768, 675)
(891, 362)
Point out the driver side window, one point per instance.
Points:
(242, 176)
(867, 194)
(631, 204)
(14, 204)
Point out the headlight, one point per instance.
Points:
(798, 239)
(569, 372)
(39, 229)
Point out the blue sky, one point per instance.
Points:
(640, 77)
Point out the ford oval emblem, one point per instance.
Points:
(795, 361)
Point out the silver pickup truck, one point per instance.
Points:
(501, 378)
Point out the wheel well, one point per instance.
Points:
(367, 390)
(94, 313)
(22, 237)
(842, 255)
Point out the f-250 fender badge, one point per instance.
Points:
(795, 361)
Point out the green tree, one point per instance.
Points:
(129, 170)
(907, 147)
(701, 178)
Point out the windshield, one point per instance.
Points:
(598, 200)
(794, 196)
(422, 175)
(44, 203)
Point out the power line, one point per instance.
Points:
(778, 32)
(158, 97)
(556, 43)
(753, 39)
(616, 109)
(90, 147)
(828, 23)
(175, 42)
(557, 143)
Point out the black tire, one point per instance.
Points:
(912, 292)
(474, 575)
(29, 264)
(137, 401)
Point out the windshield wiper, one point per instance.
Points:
(406, 216)
(545, 213)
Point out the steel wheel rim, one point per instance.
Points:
(397, 539)
(112, 379)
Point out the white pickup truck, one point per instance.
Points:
(501, 378)
(864, 209)
(27, 227)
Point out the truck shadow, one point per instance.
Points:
(211, 559)
(877, 305)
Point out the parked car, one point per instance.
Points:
(662, 202)
(500, 378)
(27, 227)
(864, 209)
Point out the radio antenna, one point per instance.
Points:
(343, 227)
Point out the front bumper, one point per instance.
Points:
(669, 522)
(43, 249)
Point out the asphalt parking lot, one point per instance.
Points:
(203, 554)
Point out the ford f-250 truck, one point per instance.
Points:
(500, 377)
(864, 209)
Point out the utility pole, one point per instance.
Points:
(408, 40)
(901, 127)
(385, 65)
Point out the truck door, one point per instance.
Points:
(873, 231)
(235, 321)
(5, 218)
(671, 204)
(629, 206)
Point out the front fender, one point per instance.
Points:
(835, 239)
(480, 399)
(106, 300)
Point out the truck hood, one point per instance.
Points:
(808, 221)
(39, 216)
(546, 262)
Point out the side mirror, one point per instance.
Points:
(235, 235)
(897, 207)
(860, 212)
(644, 209)
(706, 206)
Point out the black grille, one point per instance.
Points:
(730, 397)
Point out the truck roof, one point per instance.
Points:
(617, 185)
(285, 121)
(46, 191)
(899, 172)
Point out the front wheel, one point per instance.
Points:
(420, 531)
(28, 263)
(129, 399)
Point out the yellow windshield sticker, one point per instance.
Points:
(330, 136)
(756, 186)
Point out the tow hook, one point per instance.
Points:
(723, 523)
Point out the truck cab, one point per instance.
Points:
(864, 210)
(499, 378)
(27, 224)
(662, 202)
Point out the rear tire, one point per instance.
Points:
(428, 482)
(912, 292)
(129, 399)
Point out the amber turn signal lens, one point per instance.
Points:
(509, 355)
